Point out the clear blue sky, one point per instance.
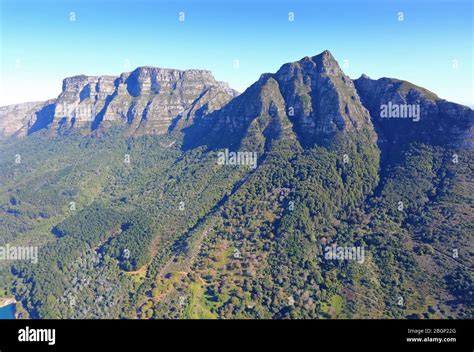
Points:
(40, 45)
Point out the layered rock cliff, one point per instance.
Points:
(149, 100)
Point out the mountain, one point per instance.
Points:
(309, 195)
(439, 122)
(311, 101)
(148, 99)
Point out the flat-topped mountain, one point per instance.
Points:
(148, 99)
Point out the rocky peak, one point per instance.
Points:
(311, 97)
(321, 100)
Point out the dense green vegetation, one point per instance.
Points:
(128, 228)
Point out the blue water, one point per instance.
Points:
(7, 312)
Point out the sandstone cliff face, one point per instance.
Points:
(81, 99)
(149, 100)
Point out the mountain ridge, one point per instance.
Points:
(313, 96)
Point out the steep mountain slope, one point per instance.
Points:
(438, 122)
(310, 100)
(346, 214)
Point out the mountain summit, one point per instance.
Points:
(310, 100)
